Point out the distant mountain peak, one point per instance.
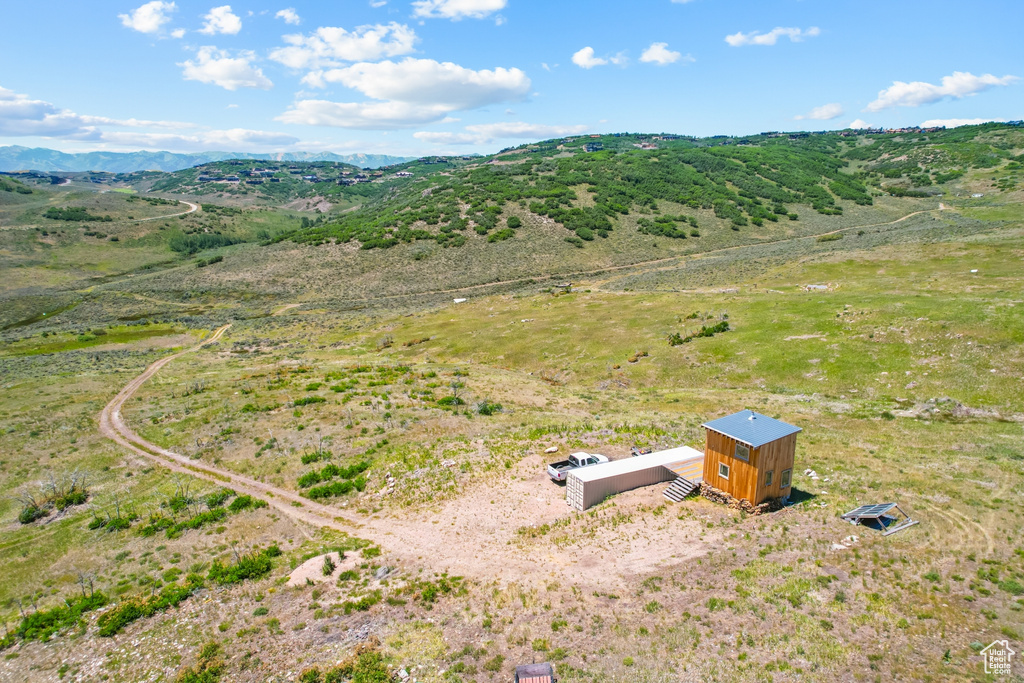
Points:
(18, 158)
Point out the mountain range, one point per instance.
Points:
(16, 158)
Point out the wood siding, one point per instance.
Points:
(747, 479)
(775, 457)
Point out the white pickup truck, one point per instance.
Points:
(558, 471)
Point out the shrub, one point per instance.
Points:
(44, 624)
(218, 498)
(197, 522)
(254, 565)
(308, 400)
(113, 622)
(208, 669)
(487, 407)
(329, 565)
(501, 235)
(31, 513)
(246, 502)
(494, 663)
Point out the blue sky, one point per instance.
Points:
(442, 76)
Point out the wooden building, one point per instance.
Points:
(749, 455)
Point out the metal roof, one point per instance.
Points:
(635, 464)
(753, 429)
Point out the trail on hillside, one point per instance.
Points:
(112, 426)
(475, 535)
(637, 264)
(192, 209)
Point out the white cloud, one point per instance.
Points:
(958, 85)
(234, 139)
(22, 116)
(487, 132)
(456, 9)
(658, 53)
(132, 123)
(178, 33)
(290, 16)
(426, 81)
(361, 115)
(954, 123)
(585, 58)
(330, 45)
(681, 2)
(231, 73)
(378, 3)
(407, 93)
(825, 112)
(757, 38)
(221, 20)
(857, 124)
(148, 18)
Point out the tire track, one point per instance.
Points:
(288, 503)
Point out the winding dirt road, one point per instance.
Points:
(192, 208)
(113, 427)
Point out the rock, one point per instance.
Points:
(553, 449)
(382, 573)
(403, 674)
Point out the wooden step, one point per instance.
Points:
(679, 490)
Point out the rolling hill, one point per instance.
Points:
(16, 158)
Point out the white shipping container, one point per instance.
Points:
(588, 486)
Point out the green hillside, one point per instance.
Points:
(589, 185)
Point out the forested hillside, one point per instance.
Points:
(587, 186)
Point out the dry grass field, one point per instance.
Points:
(352, 379)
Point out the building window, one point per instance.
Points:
(768, 477)
(743, 452)
(784, 482)
(723, 470)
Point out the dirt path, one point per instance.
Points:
(284, 309)
(474, 535)
(638, 264)
(113, 427)
(192, 209)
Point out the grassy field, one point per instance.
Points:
(353, 379)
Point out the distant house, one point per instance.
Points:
(403, 174)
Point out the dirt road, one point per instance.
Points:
(112, 426)
(192, 209)
(474, 535)
(640, 266)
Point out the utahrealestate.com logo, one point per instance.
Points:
(998, 657)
